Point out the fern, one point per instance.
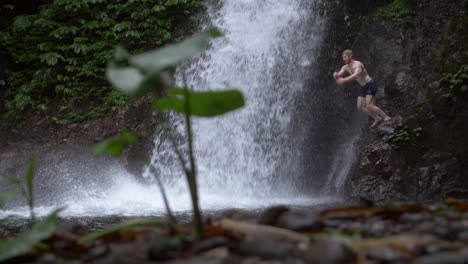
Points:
(64, 48)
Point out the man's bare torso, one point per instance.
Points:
(364, 77)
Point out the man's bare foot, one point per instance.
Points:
(387, 118)
(376, 122)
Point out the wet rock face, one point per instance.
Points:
(74, 143)
(408, 63)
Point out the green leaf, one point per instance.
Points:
(6, 196)
(30, 180)
(132, 82)
(15, 181)
(126, 79)
(202, 104)
(85, 240)
(26, 240)
(51, 58)
(114, 146)
(10, 7)
(22, 22)
(171, 55)
(121, 54)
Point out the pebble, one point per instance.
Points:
(386, 255)
(414, 218)
(445, 258)
(263, 248)
(376, 229)
(210, 243)
(329, 252)
(299, 221)
(463, 237)
(270, 215)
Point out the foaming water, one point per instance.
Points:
(126, 197)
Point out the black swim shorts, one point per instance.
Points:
(369, 89)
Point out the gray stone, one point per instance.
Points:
(415, 217)
(210, 243)
(445, 258)
(463, 237)
(263, 248)
(270, 215)
(425, 227)
(329, 252)
(386, 255)
(198, 261)
(299, 221)
(376, 228)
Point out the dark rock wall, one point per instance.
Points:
(408, 62)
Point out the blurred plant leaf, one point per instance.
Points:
(30, 179)
(125, 79)
(202, 104)
(114, 146)
(171, 55)
(6, 196)
(87, 239)
(121, 54)
(26, 240)
(15, 181)
(132, 82)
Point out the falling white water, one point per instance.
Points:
(267, 52)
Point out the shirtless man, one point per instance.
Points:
(366, 100)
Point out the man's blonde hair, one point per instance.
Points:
(348, 52)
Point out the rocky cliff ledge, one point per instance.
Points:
(419, 53)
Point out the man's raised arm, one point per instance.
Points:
(339, 74)
(352, 77)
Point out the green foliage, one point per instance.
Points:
(86, 240)
(26, 240)
(457, 79)
(403, 136)
(61, 51)
(114, 146)
(397, 12)
(30, 185)
(202, 104)
(6, 195)
(28, 192)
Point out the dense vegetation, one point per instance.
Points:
(58, 53)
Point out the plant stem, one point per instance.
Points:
(172, 219)
(191, 173)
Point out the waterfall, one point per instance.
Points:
(270, 152)
(268, 52)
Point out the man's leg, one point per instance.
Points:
(361, 106)
(370, 104)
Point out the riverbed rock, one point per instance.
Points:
(431, 163)
(263, 248)
(270, 215)
(446, 258)
(328, 252)
(387, 255)
(297, 221)
(208, 244)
